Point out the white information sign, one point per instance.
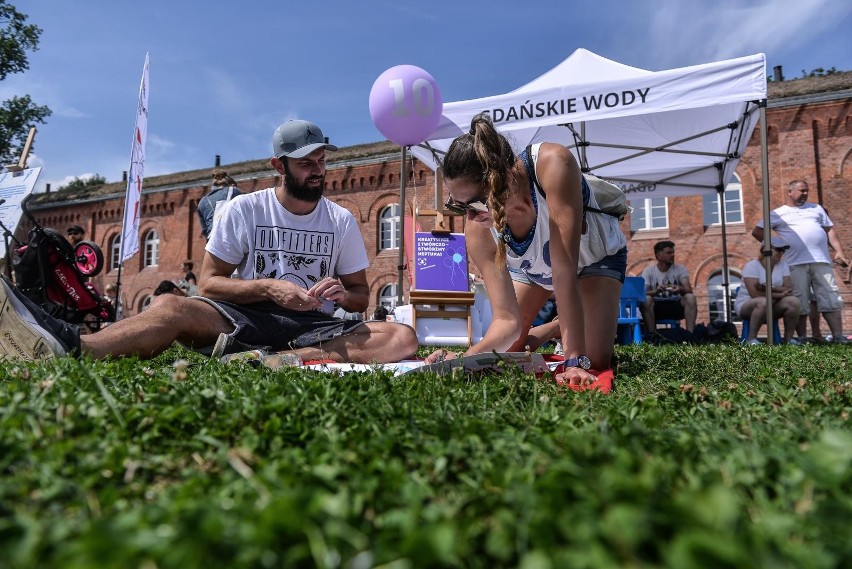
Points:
(14, 187)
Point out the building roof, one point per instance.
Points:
(777, 91)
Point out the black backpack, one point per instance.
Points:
(720, 331)
(664, 336)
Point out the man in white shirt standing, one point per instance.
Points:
(668, 293)
(809, 232)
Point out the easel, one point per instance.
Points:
(25, 153)
(420, 300)
(442, 299)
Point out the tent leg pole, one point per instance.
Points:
(767, 229)
(726, 271)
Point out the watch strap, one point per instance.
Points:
(571, 362)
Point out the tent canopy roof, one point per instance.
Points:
(655, 133)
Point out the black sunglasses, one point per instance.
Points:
(462, 208)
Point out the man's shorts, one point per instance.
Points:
(267, 324)
(820, 277)
(613, 266)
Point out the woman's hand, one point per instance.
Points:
(574, 377)
(440, 355)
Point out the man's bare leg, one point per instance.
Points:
(170, 318)
(690, 310)
(648, 315)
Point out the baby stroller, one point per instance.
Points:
(53, 274)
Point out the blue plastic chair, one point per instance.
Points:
(629, 317)
(776, 331)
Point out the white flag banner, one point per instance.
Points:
(130, 225)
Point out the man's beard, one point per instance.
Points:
(302, 192)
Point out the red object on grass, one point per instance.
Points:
(602, 384)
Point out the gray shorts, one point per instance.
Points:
(816, 278)
(267, 324)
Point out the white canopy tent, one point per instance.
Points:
(665, 133)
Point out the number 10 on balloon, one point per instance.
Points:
(405, 104)
(422, 97)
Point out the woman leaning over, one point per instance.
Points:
(528, 234)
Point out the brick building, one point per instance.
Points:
(810, 137)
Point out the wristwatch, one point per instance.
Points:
(582, 362)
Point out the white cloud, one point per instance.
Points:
(41, 94)
(692, 31)
(226, 92)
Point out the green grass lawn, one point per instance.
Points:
(703, 456)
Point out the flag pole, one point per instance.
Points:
(129, 244)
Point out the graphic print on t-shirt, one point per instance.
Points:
(299, 256)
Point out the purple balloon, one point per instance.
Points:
(405, 104)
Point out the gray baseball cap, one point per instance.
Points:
(297, 139)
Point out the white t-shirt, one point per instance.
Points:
(654, 277)
(266, 241)
(804, 229)
(754, 269)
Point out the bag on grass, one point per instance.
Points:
(666, 336)
(720, 331)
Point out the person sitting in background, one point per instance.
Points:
(751, 298)
(380, 314)
(223, 189)
(168, 287)
(109, 294)
(188, 275)
(75, 234)
(668, 294)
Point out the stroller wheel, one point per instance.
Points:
(89, 259)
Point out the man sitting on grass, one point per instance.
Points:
(296, 254)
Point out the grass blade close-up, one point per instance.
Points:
(702, 456)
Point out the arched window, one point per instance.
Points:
(650, 213)
(388, 296)
(115, 252)
(716, 294)
(152, 249)
(733, 204)
(389, 227)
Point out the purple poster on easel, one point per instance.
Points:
(440, 262)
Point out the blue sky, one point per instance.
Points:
(223, 75)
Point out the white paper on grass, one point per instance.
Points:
(478, 363)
